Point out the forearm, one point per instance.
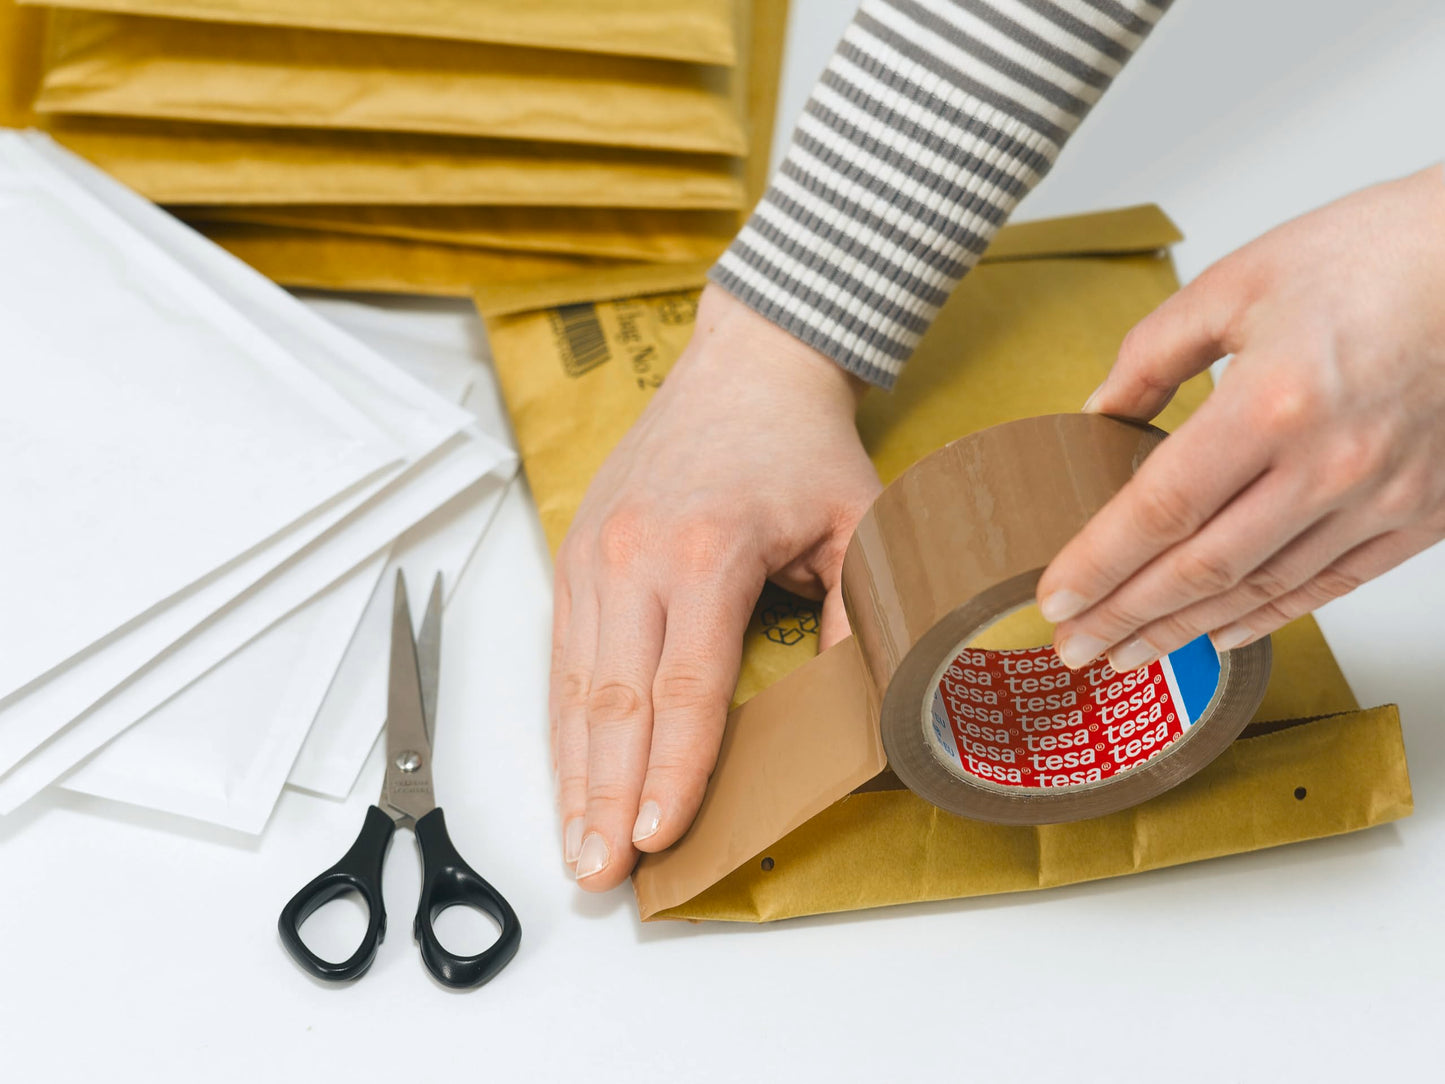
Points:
(933, 119)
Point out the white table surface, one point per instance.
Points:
(139, 947)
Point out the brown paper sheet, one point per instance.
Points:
(338, 261)
(184, 70)
(698, 31)
(1033, 330)
(619, 234)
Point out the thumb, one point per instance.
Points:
(1178, 340)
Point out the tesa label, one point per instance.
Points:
(1021, 718)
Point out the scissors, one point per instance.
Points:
(407, 800)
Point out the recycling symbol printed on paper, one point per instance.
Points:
(788, 622)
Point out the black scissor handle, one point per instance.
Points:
(447, 881)
(359, 870)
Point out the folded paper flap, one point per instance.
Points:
(888, 780)
(100, 63)
(771, 779)
(1261, 727)
(1141, 228)
(1144, 228)
(342, 261)
(192, 163)
(20, 36)
(508, 298)
(699, 31)
(1339, 774)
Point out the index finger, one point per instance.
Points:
(1180, 486)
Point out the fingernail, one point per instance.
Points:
(649, 819)
(1080, 650)
(1091, 404)
(593, 858)
(1062, 605)
(1133, 655)
(572, 840)
(1226, 639)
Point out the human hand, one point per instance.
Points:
(656, 580)
(1317, 464)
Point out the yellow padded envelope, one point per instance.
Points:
(175, 69)
(1031, 331)
(176, 162)
(699, 31)
(179, 163)
(613, 233)
(342, 261)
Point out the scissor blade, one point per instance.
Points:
(429, 656)
(407, 792)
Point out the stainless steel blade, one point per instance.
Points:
(407, 792)
(429, 656)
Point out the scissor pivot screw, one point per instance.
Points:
(408, 760)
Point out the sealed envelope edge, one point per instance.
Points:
(1141, 228)
(688, 31)
(124, 65)
(1333, 775)
(510, 298)
(20, 63)
(772, 779)
(319, 260)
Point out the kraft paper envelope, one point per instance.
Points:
(20, 55)
(699, 31)
(320, 260)
(181, 163)
(1031, 331)
(184, 70)
(648, 235)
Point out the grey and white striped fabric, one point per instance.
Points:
(930, 123)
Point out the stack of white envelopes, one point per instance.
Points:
(203, 484)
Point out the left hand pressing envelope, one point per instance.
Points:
(657, 577)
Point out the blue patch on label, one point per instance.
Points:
(1196, 673)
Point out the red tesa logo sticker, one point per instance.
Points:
(1021, 718)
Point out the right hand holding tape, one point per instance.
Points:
(959, 540)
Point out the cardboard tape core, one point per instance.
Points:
(1009, 734)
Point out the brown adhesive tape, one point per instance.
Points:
(958, 541)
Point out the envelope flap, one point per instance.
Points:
(506, 298)
(1143, 228)
(772, 779)
(20, 36)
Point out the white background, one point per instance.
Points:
(137, 947)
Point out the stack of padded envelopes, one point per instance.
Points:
(423, 147)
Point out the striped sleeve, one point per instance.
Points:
(931, 121)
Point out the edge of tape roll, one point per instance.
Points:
(958, 541)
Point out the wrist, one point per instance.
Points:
(746, 345)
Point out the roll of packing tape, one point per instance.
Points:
(958, 541)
